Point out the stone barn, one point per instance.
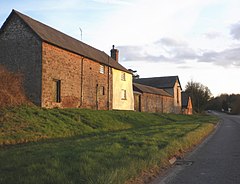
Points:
(150, 99)
(170, 84)
(60, 71)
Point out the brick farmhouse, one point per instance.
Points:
(60, 71)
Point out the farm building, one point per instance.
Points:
(60, 71)
(150, 99)
(170, 84)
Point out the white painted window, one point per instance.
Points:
(123, 76)
(102, 69)
(123, 94)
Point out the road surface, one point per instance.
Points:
(216, 161)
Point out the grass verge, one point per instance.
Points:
(107, 146)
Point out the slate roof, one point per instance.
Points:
(159, 82)
(184, 99)
(59, 39)
(148, 89)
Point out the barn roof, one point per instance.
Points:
(148, 89)
(159, 82)
(59, 39)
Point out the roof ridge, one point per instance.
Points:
(21, 14)
(160, 90)
(159, 77)
(57, 38)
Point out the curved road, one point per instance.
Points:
(216, 161)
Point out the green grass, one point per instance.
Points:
(91, 147)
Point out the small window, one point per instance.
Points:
(123, 76)
(57, 90)
(102, 90)
(123, 94)
(178, 100)
(102, 69)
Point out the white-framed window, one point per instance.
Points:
(102, 69)
(123, 94)
(123, 76)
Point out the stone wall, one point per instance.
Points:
(151, 103)
(82, 84)
(154, 103)
(20, 52)
(41, 64)
(168, 104)
(97, 87)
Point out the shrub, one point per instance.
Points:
(11, 89)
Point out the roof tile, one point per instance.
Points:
(57, 38)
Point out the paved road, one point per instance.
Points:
(216, 161)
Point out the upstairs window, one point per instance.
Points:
(57, 90)
(123, 94)
(123, 76)
(102, 69)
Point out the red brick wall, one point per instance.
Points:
(155, 103)
(81, 80)
(93, 81)
(168, 104)
(151, 103)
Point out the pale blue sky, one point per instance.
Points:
(194, 39)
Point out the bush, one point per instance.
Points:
(11, 89)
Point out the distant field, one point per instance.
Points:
(91, 147)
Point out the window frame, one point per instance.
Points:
(102, 90)
(57, 90)
(102, 69)
(123, 94)
(123, 76)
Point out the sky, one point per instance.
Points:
(197, 40)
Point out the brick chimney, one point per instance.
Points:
(114, 54)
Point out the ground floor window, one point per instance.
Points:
(57, 90)
(123, 94)
(102, 90)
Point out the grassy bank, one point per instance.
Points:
(91, 146)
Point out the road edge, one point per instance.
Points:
(175, 169)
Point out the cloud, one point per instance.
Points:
(178, 50)
(114, 2)
(165, 49)
(175, 51)
(228, 57)
(138, 53)
(212, 35)
(235, 31)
